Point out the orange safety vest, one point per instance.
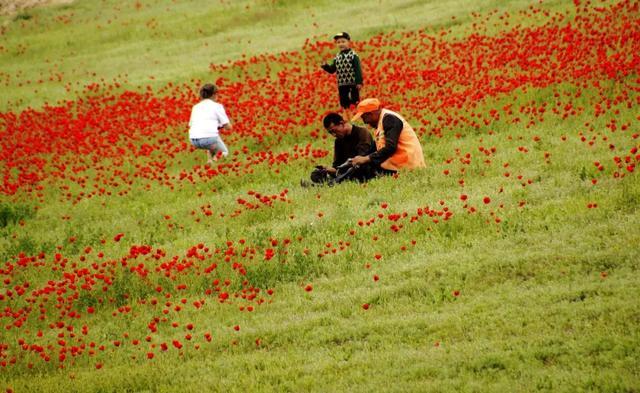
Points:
(408, 154)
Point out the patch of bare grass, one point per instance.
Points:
(12, 7)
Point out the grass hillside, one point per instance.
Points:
(509, 264)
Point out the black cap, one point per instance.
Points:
(344, 34)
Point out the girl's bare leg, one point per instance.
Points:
(210, 158)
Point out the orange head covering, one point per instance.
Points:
(365, 106)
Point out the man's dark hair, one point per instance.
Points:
(208, 90)
(332, 118)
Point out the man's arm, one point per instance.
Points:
(338, 155)
(392, 127)
(336, 160)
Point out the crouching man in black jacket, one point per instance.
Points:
(351, 141)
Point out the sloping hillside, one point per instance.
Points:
(508, 264)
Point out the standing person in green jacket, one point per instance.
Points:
(347, 65)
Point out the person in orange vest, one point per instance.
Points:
(397, 145)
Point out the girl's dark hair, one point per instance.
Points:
(208, 90)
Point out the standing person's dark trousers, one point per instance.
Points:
(349, 95)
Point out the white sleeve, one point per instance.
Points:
(191, 118)
(222, 116)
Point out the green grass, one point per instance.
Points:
(534, 311)
(533, 314)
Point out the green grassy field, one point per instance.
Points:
(532, 291)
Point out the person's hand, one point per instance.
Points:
(326, 168)
(360, 160)
(359, 87)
